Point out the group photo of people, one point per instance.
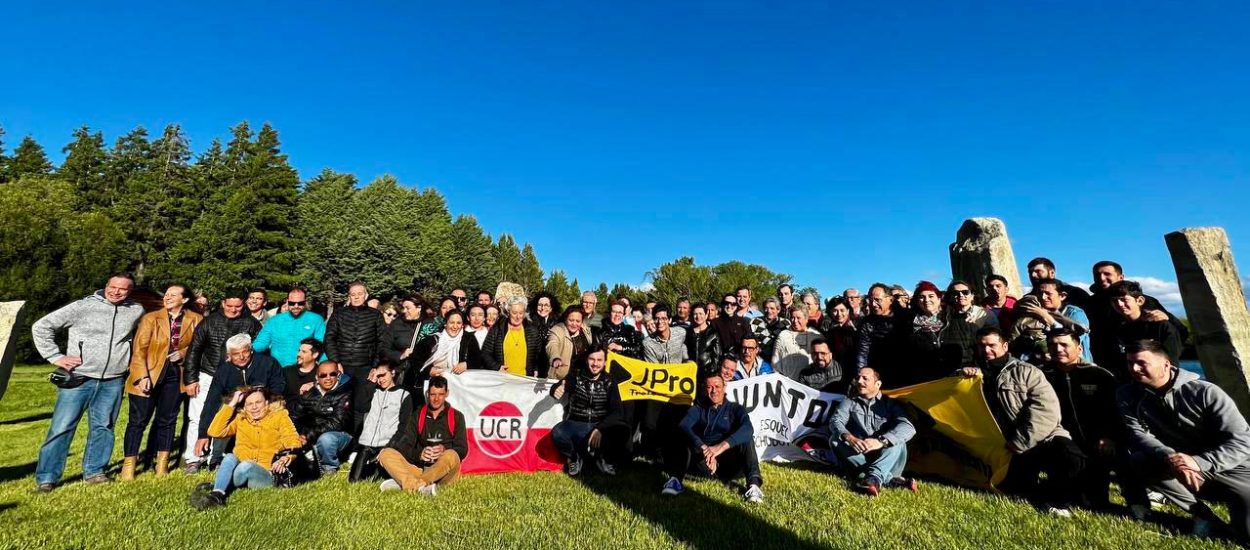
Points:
(1085, 385)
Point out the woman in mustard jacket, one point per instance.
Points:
(261, 428)
(154, 386)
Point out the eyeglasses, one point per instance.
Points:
(729, 304)
(751, 348)
(461, 299)
(327, 375)
(964, 292)
(293, 303)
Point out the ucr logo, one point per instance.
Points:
(500, 430)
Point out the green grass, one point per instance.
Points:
(803, 508)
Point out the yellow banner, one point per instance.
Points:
(670, 383)
(956, 436)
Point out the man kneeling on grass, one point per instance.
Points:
(715, 439)
(428, 447)
(592, 428)
(261, 429)
(870, 435)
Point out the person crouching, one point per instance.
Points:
(261, 430)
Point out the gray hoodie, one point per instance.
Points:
(1191, 416)
(98, 331)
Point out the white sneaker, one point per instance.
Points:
(1202, 528)
(1059, 512)
(429, 490)
(350, 458)
(390, 485)
(754, 494)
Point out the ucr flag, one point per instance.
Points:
(508, 420)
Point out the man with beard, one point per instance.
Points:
(283, 333)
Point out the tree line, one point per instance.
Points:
(237, 215)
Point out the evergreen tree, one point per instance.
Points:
(159, 203)
(507, 260)
(28, 160)
(132, 154)
(4, 159)
(85, 165)
(531, 274)
(474, 268)
(329, 231)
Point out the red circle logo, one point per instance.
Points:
(501, 429)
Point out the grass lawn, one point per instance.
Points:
(803, 508)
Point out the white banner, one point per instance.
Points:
(508, 419)
(784, 414)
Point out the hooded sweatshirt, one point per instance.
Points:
(1189, 416)
(99, 332)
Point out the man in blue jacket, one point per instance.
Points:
(870, 432)
(242, 367)
(283, 333)
(715, 439)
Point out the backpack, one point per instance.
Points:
(450, 415)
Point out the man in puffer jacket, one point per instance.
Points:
(355, 335)
(323, 416)
(1187, 439)
(100, 329)
(207, 352)
(1027, 411)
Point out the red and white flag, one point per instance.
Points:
(508, 419)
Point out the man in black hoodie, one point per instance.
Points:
(354, 337)
(323, 416)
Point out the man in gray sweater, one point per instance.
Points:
(1186, 439)
(100, 328)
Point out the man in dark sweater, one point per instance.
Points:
(592, 423)
(715, 438)
(1136, 325)
(429, 446)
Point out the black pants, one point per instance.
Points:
(366, 467)
(1064, 464)
(361, 393)
(160, 407)
(655, 422)
(680, 458)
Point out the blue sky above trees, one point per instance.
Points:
(839, 143)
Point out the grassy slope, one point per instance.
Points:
(804, 508)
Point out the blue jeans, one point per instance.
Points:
(328, 447)
(101, 400)
(237, 474)
(884, 464)
(571, 437)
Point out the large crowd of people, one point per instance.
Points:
(1084, 385)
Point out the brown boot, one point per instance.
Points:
(128, 468)
(162, 464)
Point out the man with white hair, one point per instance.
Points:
(207, 351)
(242, 368)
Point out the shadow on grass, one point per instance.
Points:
(31, 418)
(691, 517)
(12, 473)
(6, 506)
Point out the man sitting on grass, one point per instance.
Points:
(1187, 439)
(718, 441)
(323, 416)
(870, 435)
(429, 446)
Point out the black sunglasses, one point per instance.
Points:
(293, 303)
(327, 375)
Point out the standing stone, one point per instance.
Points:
(981, 248)
(10, 319)
(1216, 306)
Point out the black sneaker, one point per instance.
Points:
(45, 487)
(97, 479)
(870, 486)
(204, 488)
(203, 501)
(573, 467)
(905, 483)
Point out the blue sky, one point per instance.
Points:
(841, 143)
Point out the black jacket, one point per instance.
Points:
(1129, 332)
(705, 350)
(1087, 403)
(410, 441)
(262, 371)
(208, 346)
(1104, 322)
(397, 339)
(354, 336)
(881, 343)
(843, 343)
(315, 414)
(586, 400)
(624, 335)
(471, 352)
(535, 349)
(731, 329)
(930, 356)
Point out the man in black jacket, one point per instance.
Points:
(323, 416)
(1087, 406)
(1137, 325)
(593, 424)
(880, 340)
(207, 351)
(1105, 319)
(242, 367)
(618, 336)
(429, 446)
(354, 337)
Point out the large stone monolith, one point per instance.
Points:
(981, 248)
(10, 319)
(1215, 304)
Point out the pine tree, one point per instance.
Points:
(474, 255)
(530, 276)
(329, 236)
(28, 160)
(507, 260)
(131, 155)
(4, 159)
(159, 203)
(85, 165)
